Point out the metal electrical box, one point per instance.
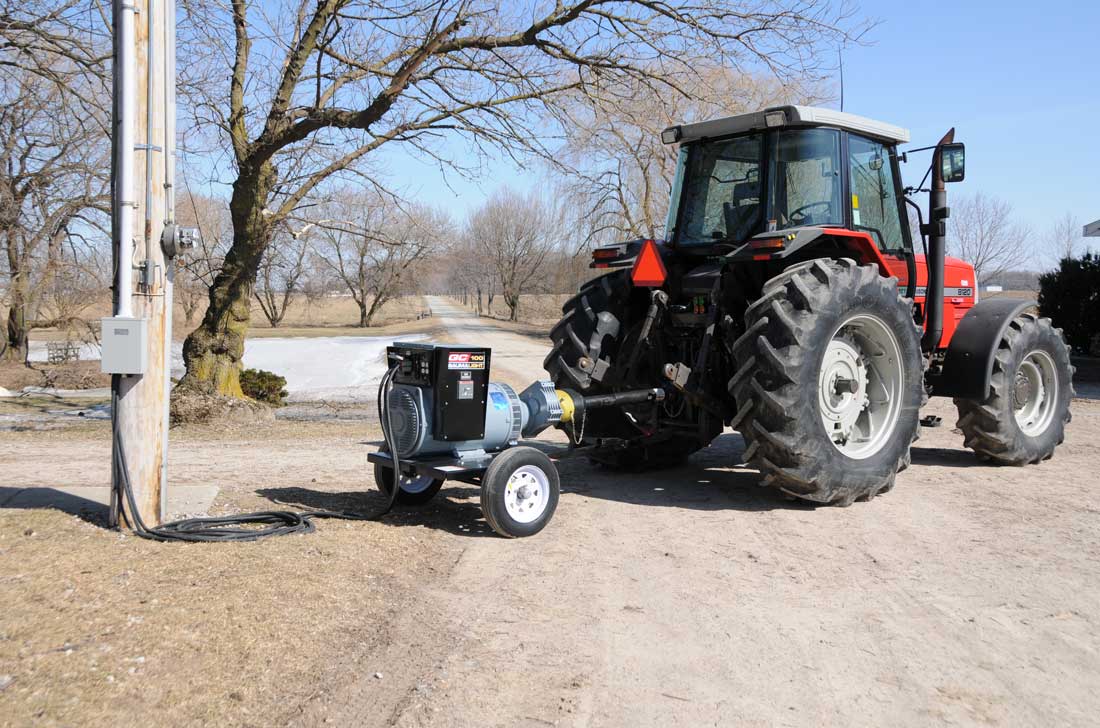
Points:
(125, 345)
(458, 377)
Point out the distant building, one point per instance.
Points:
(993, 289)
(1092, 230)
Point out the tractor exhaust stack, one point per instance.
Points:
(938, 212)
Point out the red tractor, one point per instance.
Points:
(789, 303)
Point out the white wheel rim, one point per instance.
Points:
(1034, 393)
(417, 484)
(526, 494)
(860, 386)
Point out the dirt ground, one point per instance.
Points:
(969, 595)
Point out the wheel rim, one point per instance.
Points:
(526, 494)
(1034, 393)
(860, 386)
(410, 484)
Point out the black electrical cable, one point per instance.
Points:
(229, 528)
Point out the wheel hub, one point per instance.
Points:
(843, 387)
(526, 494)
(1034, 393)
(860, 386)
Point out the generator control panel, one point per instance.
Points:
(459, 379)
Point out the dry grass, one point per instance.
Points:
(99, 628)
(72, 375)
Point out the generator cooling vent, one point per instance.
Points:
(407, 419)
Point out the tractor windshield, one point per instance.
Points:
(730, 189)
(804, 178)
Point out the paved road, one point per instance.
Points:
(970, 595)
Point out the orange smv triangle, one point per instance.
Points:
(649, 269)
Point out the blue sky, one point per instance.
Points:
(1019, 82)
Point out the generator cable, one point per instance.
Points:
(231, 528)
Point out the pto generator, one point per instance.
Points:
(443, 419)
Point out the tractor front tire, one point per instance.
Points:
(1023, 419)
(829, 382)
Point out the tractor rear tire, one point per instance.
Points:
(1025, 415)
(595, 335)
(813, 323)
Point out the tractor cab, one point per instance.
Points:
(784, 168)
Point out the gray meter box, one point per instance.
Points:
(125, 349)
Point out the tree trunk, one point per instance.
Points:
(17, 339)
(17, 336)
(213, 351)
(364, 320)
(513, 306)
(479, 300)
(376, 304)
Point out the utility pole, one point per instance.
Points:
(143, 139)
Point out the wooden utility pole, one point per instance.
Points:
(142, 400)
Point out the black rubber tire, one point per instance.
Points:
(598, 324)
(383, 480)
(494, 486)
(989, 426)
(775, 385)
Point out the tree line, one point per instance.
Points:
(291, 115)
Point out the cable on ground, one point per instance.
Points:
(242, 527)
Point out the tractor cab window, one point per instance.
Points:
(875, 206)
(721, 192)
(804, 173)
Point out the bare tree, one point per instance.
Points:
(281, 271)
(369, 244)
(53, 158)
(318, 89)
(317, 283)
(982, 232)
(619, 172)
(52, 196)
(196, 268)
(514, 234)
(1066, 236)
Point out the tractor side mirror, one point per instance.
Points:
(953, 162)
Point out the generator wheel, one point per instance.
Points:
(591, 345)
(1024, 417)
(519, 492)
(413, 492)
(829, 381)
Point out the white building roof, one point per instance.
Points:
(793, 116)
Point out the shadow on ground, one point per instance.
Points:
(455, 510)
(86, 509)
(713, 479)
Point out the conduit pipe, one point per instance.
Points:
(124, 156)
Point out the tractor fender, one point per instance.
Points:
(784, 244)
(968, 364)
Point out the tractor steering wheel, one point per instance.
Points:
(799, 216)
